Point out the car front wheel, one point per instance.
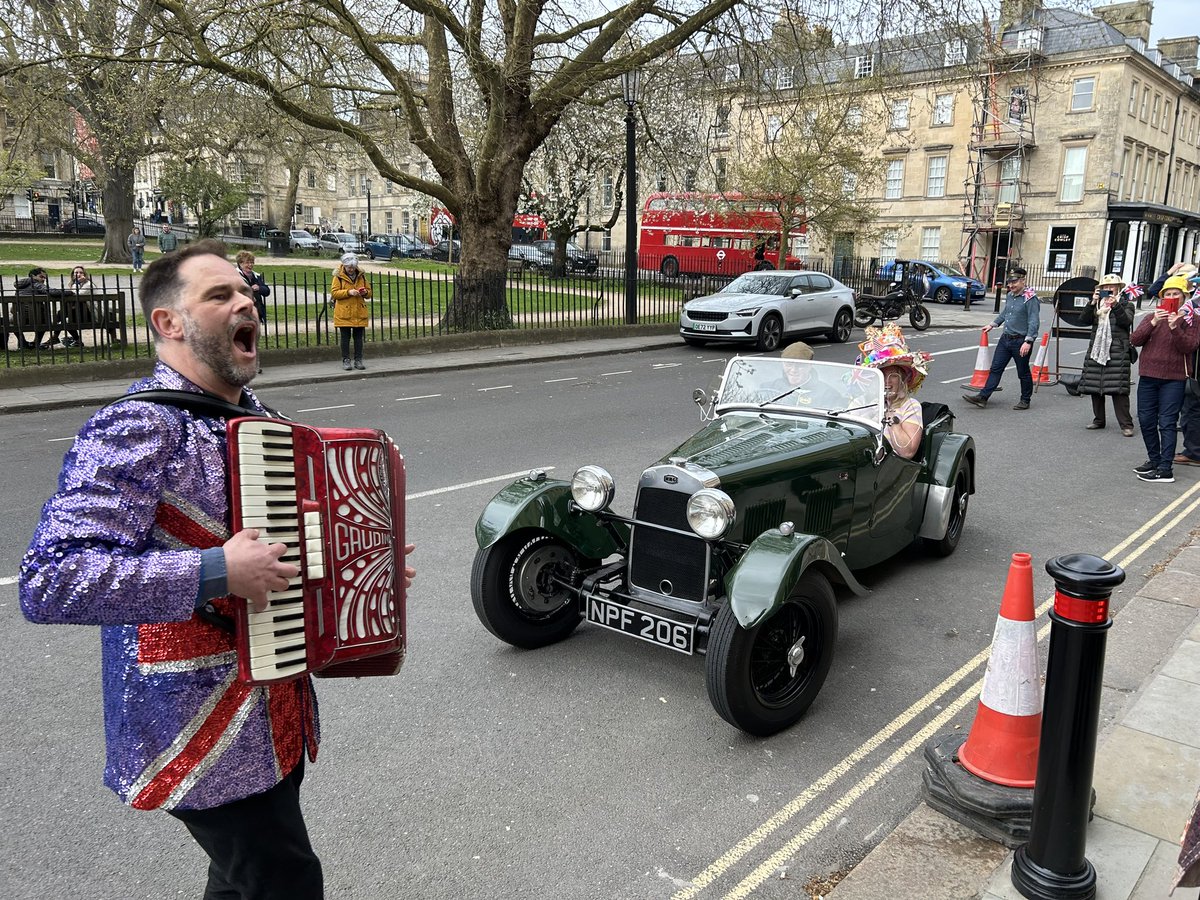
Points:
(942, 295)
(762, 679)
(842, 323)
(770, 333)
(958, 515)
(516, 591)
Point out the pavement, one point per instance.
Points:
(1147, 767)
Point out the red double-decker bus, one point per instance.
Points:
(712, 234)
(526, 227)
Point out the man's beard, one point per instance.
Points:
(216, 352)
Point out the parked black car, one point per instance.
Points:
(578, 259)
(444, 250)
(81, 225)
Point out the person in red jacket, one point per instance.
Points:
(1168, 338)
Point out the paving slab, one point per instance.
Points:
(1175, 586)
(1146, 782)
(1155, 883)
(1143, 634)
(1184, 664)
(1168, 708)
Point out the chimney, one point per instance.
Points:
(1182, 50)
(1131, 19)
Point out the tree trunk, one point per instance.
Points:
(480, 302)
(561, 239)
(118, 212)
(281, 213)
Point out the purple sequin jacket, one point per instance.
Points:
(142, 492)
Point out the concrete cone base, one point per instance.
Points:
(999, 813)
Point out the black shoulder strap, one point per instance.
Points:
(198, 404)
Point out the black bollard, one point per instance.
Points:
(1052, 865)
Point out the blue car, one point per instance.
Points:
(390, 246)
(942, 284)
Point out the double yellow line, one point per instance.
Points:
(1157, 527)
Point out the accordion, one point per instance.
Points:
(335, 497)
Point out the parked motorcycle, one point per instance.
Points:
(900, 298)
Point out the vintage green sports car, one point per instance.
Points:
(737, 535)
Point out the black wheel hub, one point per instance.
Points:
(785, 654)
(534, 581)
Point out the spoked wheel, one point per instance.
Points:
(919, 316)
(942, 295)
(863, 317)
(770, 333)
(515, 591)
(762, 679)
(840, 333)
(958, 515)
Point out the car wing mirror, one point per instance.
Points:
(795, 292)
(704, 402)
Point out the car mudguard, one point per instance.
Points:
(765, 575)
(545, 505)
(949, 452)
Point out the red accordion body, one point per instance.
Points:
(335, 497)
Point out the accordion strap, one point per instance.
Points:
(196, 403)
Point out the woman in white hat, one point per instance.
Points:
(903, 371)
(350, 293)
(1106, 368)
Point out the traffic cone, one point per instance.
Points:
(1039, 370)
(983, 362)
(1003, 744)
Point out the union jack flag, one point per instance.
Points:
(1133, 291)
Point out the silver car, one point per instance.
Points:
(342, 242)
(299, 239)
(765, 308)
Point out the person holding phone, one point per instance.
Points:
(1106, 368)
(1168, 339)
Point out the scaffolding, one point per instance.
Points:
(1003, 138)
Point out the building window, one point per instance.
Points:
(689, 179)
(785, 78)
(719, 172)
(1133, 98)
(1166, 119)
(955, 53)
(387, 185)
(1074, 168)
(660, 182)
(1131, 192)
(1010, 176)
(931, 243)
(774, 128)
(935, 182)
(721, 125)
(733, 72)
(331, 183)
(854, 117)
(1083, 94)
(893, 188)
(353, 222)
(899, 115)
(387, 222)
(606, 239)
(1145, 113)
(312, 178)
(849, 183)
(864, 66)
(607, 192)
(889, 241)
(1018, 104)
(1154, 110)
(943, 109)
(352, 185)
(405, 220)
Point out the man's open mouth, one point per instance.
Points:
(245, 337)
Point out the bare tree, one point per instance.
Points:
(526, 61)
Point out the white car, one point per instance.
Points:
(342, 242)
(765, 308)
(299, 239)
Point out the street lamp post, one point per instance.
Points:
(369, 209)
(631, 84)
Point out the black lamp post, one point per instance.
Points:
(631, 84)
(368, 209)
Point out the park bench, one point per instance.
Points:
(103, 315)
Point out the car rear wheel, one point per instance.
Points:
(770, 333)
(942, 295)
(958, 515)
(670, 267)
(762, 679)
(842, 324)
(515, 589)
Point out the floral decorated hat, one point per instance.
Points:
(886, 347)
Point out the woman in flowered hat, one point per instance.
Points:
(1106, 368)
(903, 371)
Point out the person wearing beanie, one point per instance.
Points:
(1168, 339)
(1106, 368)
(350, 293)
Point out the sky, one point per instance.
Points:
(1173, 18)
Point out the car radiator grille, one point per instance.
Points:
(703, 315)
(658, 556)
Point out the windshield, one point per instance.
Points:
(759, 283)
(803, 387)
(301, 234)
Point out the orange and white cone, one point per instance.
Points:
(1003, 744)
(1039, 370)
(983, 362)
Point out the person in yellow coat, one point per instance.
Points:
(350, 293)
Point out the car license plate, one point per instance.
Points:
(647, 626)
(704, 326)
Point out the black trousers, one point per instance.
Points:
(344, 336)
(258, 846)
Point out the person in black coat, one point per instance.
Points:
(28, 313)
(1106, 368)
(258, 288)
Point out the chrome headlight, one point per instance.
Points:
(959, 284)
(748, 311)
(592, 488)
(710, 512)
